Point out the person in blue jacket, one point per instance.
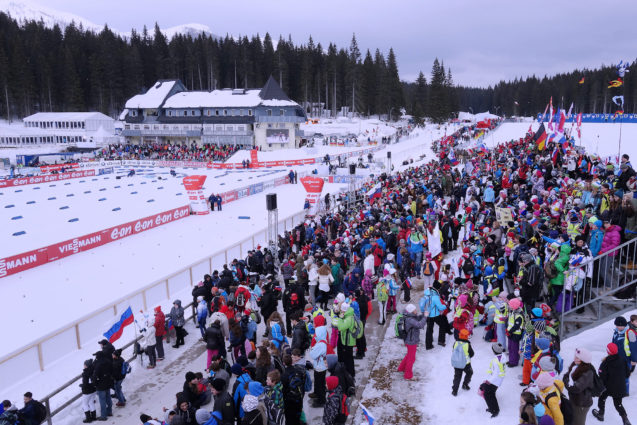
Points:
(433, 308)
(596, 236)
(489, 195)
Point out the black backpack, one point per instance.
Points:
(296, 386)
(598, 385)
(565, 406)
(40, 412)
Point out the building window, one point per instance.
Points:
(240, 112)
(269, 112)
(250, 112)
(217, 112)
(225, 112)
(208, 112)
(192, 112)
(282, 112)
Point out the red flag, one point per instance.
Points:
(560, 127)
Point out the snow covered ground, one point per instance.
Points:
(597, 138)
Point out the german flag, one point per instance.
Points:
(615, 83)
(540, 137)
(581, 81)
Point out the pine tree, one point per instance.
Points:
(396, 100)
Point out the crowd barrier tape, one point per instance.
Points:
(46, 178)
(28, 260)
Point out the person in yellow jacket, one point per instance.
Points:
(550, 391)
(496, 374)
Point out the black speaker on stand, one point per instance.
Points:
(270, 201)
(352, 168)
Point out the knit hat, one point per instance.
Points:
(340, 297)
(537, 312)
(464, 334)
(546, 420)
(599, 223)
(243, 361)
(515, 303)
(611, 349)
(202, 416)
(620, 321)
(236, 369)
(385, 272)
(344, 307)
(218, 384)
(190, 376)
(410, 308)
(144, 418)
(331, 382)
(319, 320)
(497, 348)
(545, 380)
(547, 364)
(584, 355)
(462, 300)
(255, 388)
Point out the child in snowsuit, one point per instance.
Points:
(464, 345)
(496, 376)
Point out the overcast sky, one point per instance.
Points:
(482, 41)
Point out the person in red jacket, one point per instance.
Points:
(160, 331)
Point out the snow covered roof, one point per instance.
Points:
(476, 117)
(67, 116)
(213, 99)
(154, 97)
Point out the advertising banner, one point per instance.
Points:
(313, 186)
(58, 167)
(46, 178)
(254, 158)
(28, 260)
(194, 186)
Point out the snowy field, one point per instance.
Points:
(78, 207)
(597, 138)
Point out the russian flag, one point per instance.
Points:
(554, 155)
(452, 158)
(533, 222)
(115, 332)
(408, 282)
(374, 192)
(367, 414)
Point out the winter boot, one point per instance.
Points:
(625, 419)
(599, 414)
(94, 415)
(88, 419)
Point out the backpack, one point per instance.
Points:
(294, 301)
(343, 411)
(126, 368)
(400, 327)
(458, 357)
(467, 266)
(565, 406)
(428, 270)
(357, 329)
(598, 385)
(241, 299)
(306, 342)
(276, 416)
(550, 270)
(296, 386)
(39, 412)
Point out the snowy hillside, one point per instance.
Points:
(25, 10)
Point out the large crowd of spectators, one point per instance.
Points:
(170, 151)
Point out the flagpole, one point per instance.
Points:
(619, 147)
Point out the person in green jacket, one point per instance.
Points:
(347, 339)
(336, 274)
(561, 264)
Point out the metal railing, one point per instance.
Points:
(592, 300)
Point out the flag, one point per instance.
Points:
(551, 138)
(408, 282)
(564, 143)
(452, 158)
(570, 109)
(615, 83)
(540, 137)
(619, 101)
(554, 155)
(560, 127)
(374, 192)
(530, 131)
(579, 119)
(368, 415)
(116, 330)
(544, 114)
(551, 113)
(581, 81)
(533, 222)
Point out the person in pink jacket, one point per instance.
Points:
(612, 240)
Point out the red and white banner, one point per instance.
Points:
(28, 260)
(194, 186)
(58, 167)
(46, 178)
(313, 186)
(254, 158)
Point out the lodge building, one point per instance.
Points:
(264, 118)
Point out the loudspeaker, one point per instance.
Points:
(388, 154)
(270, 201)
(352, 168)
